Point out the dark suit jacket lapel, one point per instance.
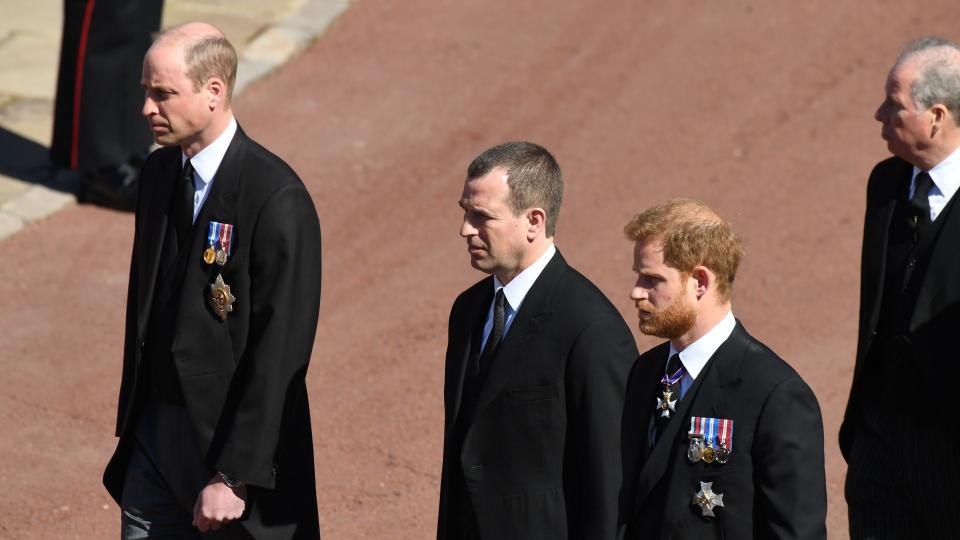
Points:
(874, 257)
(722, 370)
(154, 223)
(725, 371)
(650, 373)
(940, 287)
(528, 322)
(467, 332)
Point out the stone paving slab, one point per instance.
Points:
(9, 225)
(32, 16)
(29, 55)
(11, 188)
(266, 35)
(37, 202)
(31, 118)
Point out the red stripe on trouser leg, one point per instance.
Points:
(78, 84)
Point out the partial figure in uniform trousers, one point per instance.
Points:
(900, 431)
(97, 126)
(536, 366)
(721, 438)
(213, 419)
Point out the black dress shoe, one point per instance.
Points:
(112, 187)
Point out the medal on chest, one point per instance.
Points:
(219, 243)
(707, 499)
(711, 439)
(221, 299)
(666, 403)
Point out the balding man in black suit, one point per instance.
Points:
(213, 420)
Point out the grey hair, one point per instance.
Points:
(938, 78)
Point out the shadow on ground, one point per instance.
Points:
(25, 160)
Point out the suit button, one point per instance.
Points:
(912, 263)
(476, 467)
(143, 344)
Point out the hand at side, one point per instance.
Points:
(218, 504)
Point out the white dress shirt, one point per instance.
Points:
(946, 180)
(206, 163)
(696, 355)
(515, 291)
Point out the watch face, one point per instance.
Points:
(231, 481)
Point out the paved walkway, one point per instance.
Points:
(266, 35)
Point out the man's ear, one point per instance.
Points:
(217, 92)
(704, 280)
(940, 116)
(536, 221)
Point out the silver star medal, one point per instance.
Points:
(666, 404)
(707, 499)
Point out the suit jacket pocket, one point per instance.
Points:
(528, 394)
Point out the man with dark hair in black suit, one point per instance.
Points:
(899, 434)
(536, 365)
(224, 293)
(721, 438)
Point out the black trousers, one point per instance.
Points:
(164, 478)
(97, 121)
(902, 486)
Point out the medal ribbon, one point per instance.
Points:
(672, 379)
(213, 234)
(225, 236)
(726, 434)
(713, 430)
(698, 426)
(220, 235)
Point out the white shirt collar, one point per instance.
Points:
(945, 175)
(207, 161)
(696, 355)
(517, 289)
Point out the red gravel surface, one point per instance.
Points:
(762, 109)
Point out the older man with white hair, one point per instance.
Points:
(899, 434)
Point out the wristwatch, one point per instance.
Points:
(230, 481)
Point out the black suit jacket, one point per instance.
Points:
(242, 378)
(773, 485)
(541, 452)
(936, 317)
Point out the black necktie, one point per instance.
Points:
(187, 190)
(920, 203)
(496, 333)
(674, 367)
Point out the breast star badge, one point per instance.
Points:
(221, 300)
(707, 499)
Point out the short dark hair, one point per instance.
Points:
(533, 176)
